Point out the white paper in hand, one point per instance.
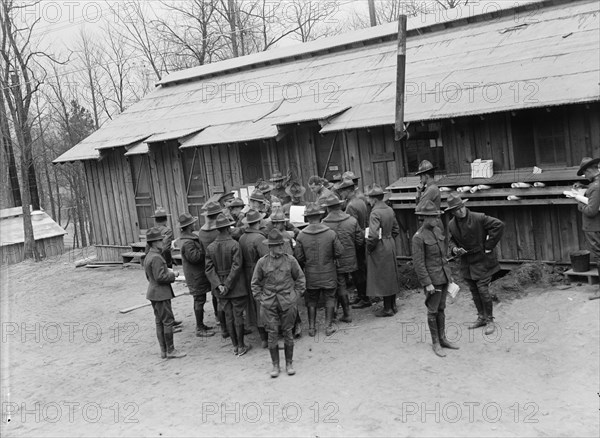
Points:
(297, 214)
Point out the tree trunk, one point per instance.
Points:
(58, 201)
(30, 248)
(232, 16)
(10, 154)
(80, 211)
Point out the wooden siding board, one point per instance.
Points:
(105, 187)
(364, 150)
(594, 118)
(134, 229)
(116, 200)
(87, 165)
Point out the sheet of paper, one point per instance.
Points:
(297, 214)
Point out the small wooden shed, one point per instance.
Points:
(49, 236)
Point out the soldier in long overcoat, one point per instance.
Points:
(193, 258)
(253, 248)
(352, 238)
(160, 293)
(590, 211)
(473, 238)
(433, 272)
(224, 269)
(317, 249)
(382, 270)
(278, 283)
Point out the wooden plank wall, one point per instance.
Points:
(223, 167)
(110, 190)
(47, 248)
(538, 232)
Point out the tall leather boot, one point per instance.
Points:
(596, 295)
(264, 337)
(489, 317)
(202, 331)
(312, 320)
(345, 301)
(297, 326)
(481, 322)
(223, 324)
(172, 353)
(441, 325)
(243, 348)
(289, 356)
(275, 361)
(437, 348)
(160, 334)
(329, 328)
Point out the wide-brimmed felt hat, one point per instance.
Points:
(186, 219)
(425, 166)
(295, 189)
(211, 208)
(237, 202)
(337, 177)
(221, 221)
(350, 175)
(585, 163)
(275, 237)
(253, 216)
(277, 176)
(160, 212)
(278, 215)
(227, 194)
(346, 182)
(257, 195)
(330, 201)
(375, 190)
(313, 209)
(153, 234)
(265, 187)
(427, 208)
(455, 201)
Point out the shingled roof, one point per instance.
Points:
(537, 55)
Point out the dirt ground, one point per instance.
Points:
(72, 365)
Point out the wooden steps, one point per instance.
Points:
(133, 257)
(590, 276)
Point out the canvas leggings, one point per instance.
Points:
(593, 240)
(480, 290)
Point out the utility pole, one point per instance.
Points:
(400, 78)
(372, 14)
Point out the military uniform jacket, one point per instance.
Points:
(278, 280)
(431, 193)
(281, 194)
(317, 248)
(357, 208)
(207, 237)
(253, 248)
(224, 266)
(476, 232)
(429, 257)
(591, 218)
(351, 237)
(193, 259)
(159, 277)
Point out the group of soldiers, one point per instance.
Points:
(257, 264)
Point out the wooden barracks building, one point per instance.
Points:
(519, 86)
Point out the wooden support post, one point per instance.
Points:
(400, 78)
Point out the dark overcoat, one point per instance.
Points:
(476, 233)
(224, 266)
(591, 216)
(278, 280)
(317, 249)
(351, 237)
(382, 269)
(193, 259)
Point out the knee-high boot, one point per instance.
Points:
(289, 356)
(441, 325)
(160, 334)
(275, 361)
(345, 301)
(435, 340)
(312, 320)
(329, 328)
(172, 353)
(489, 317)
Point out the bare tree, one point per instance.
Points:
(90, 57)
(135, 28)
(7, 146)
